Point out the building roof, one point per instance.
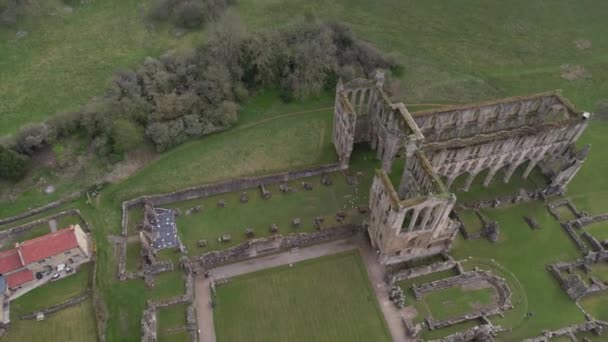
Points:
(9, 261)
(18, 278)
(48, 245)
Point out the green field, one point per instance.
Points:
(325, 299)
(76, 323)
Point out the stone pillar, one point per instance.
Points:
(469, 181)
(529, 169)
(489, 177)
(451, 179)
(414, 219)
(427, 215)
(510, 171)
(439, 210)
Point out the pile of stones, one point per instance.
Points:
(397, 296)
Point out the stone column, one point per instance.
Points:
(427, 215)
(414, 219)
(489, 177)
(451, 179)
(530, 168)
(510, 171)
(469, 181)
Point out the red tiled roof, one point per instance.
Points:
(19, 278)
(48, 245)
(9, 261)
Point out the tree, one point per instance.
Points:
(126, 136)
(12, 166)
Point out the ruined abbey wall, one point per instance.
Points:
(411, 219)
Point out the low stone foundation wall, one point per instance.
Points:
(503, 291)
(490, 229)
(521, 197)
(43, 208)
(570, 331)
(566, 202)
(483, 332)
(58, 307)
(272, 244)
(572, 283)
(410, 273)
(26, 227)
(149, 323)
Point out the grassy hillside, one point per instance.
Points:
(68, 56)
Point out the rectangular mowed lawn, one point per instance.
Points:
(324, 299)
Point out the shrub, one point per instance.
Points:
(34, 136)
(12, 166)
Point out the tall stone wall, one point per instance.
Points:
(272, 244)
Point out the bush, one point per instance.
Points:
(33, 137)
(12, 166)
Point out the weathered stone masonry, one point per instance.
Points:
(412, 220)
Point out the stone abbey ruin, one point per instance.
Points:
(412, 219)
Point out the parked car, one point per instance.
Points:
(55, 276)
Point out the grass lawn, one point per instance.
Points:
(598, 230)
(457, 301)
(596, 305)
(325, 299)
(471, 222)
(168, 284)
(281, 209)
(565, 213)
(182, 336)
(253, 150)
(521, 256)
(52, 293)
(76, 323)
(172, 317)
(133, 256)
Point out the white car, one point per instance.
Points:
(55, 276)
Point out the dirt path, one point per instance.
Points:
(374, 271)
